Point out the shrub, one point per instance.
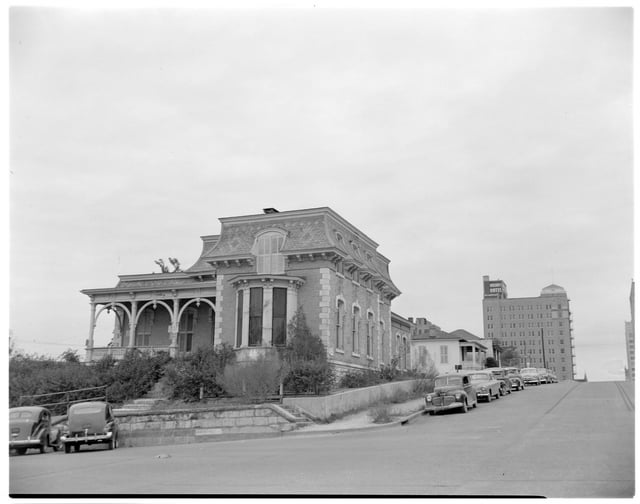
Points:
(357, 378)
(381, 413)
(202, 369)
(134, 375)
(254, 380)
(305, 366)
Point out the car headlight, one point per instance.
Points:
(428, 398)
(483, 389)
(458, 396)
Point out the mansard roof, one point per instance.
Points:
(308, 231)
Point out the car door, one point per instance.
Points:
(470, 390)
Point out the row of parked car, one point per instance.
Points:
(86, 423)
(463, 390)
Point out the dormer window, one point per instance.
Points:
(267, 251)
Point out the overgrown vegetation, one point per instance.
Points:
(128, 378)
(255, 381)
(388, 373)
(305, 368)
(199, 373)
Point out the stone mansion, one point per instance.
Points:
(247, 284)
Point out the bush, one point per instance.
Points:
(357, 378)
(255, 380)
(202, 369)
(381, 413)
(134, 375)
(305, 365)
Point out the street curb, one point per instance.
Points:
(397, 423)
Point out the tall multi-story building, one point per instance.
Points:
(538, 328)
(630, 338)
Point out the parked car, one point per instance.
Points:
(30, 427)
(485, 385)
(501, 375)
(514, 376)
(90, 423)
(530, 375)
(545, 375)
(551, 376)
(451, 391)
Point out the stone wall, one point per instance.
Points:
(336, 405)
(207, 424)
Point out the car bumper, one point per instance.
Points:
(454, 405)
(25, 443)
(531, 380)
(88, 439)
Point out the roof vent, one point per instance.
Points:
(269, 210)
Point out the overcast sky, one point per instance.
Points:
(465, 142)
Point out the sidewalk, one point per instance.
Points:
(362, 419)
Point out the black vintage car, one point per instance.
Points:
(90, 423)
(451, 391)
(500, 374)
(30, 427)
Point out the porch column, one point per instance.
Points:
(173, 329)
(132, 323)
(92, 326)
(267, 316)
(473, 351)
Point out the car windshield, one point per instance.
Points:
(528, 370)
(20, 415)
(441, 381)
(480, 376)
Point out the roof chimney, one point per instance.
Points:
(269, 210)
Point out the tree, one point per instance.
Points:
(69, 355)
(305, 365)
(510, 357)
(490, 362)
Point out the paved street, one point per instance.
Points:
(563, 440)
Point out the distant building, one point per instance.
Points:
(247, 284)
(538, 328)
(446, 352)
(630, 338)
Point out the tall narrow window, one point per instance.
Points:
(255, 316)
(340, 324)
(185, 330)
(382, 341)
(279, 323)
(143, 328)
(444, 354)
(267, 252)
(369, 334)
(239, 319)
(355, 343)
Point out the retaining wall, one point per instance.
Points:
(148, 428)
(323, 408)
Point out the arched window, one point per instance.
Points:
(267, 251)
(370, 342)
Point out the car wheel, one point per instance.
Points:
(489, 397)
(21, 451)
(464, 408)
(432, 413)
(67, 448)
(111, 443)
(497, 394)
(44, 444)
(76, 447)
(475, 404)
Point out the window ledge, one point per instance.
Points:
(355, 355)
(369, 357)
(355, 283)
(339, 275)
(339, 350)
